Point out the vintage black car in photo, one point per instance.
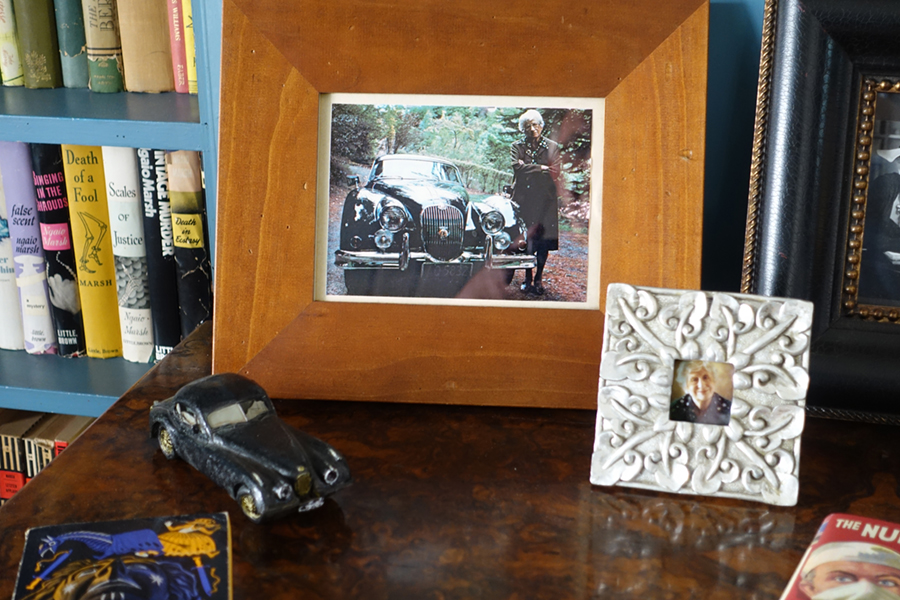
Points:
(413, 230)
(225, 426)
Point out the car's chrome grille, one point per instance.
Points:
(442, 231)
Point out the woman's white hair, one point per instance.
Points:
(530, 116)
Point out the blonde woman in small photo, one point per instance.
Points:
(707, 390)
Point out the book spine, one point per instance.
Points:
(89, 214)
(11, 72)
(38, 454)
(176, 41)
(37, 35)
(28, 256)
(146, 51)
(11, 335)
(104, 50)
(190, 48)
(122, 190)
(12, 465)
(160, 246)
(56, 235)
(191, 248)
(72, 43)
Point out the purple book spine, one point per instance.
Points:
(28, 254)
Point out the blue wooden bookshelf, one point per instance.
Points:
(88, 386)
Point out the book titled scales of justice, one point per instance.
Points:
(850, 558)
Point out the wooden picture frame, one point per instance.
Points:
(648, 60)
(823, 63)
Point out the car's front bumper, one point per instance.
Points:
(368, 259)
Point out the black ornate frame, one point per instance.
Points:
(821, 61)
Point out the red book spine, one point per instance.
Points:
(176, 38)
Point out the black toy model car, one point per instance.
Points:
(225, 427)
(413, 224)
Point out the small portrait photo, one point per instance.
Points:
(702, 392)
(850, 570)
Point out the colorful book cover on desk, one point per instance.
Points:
(14, 426)
(89, 215)
(176, 42)
(191, 242)
(56, 236)
(850, 558)
(183, 557)
(11, 335)
(28, 255)
(190, 47)
(160, 244)
(146, 51)
(122, 190)
(104, 49)
(11, 72)
(36, 25)
(72, 43)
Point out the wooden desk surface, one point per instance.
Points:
(462, 502)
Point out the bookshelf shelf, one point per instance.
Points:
(86, 386)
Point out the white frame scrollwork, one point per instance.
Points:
(757, 455)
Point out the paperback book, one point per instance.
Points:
(28, 254)
(162, 557)
(11, 335)
(850, 558)
(56, 236)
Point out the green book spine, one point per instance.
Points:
(72, 43)
(104, 49)
(11, 72)
(37, 34)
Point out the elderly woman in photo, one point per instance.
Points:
(535, 161)
(701, 402)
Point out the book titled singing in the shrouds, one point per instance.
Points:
(56, 236)
(191, 243)
(104, 49)
(28, 255)
(36, 25)
(160, 244)
(182, 557)
(92, 239)
(11, 72)
(72, 43)
(11, 334)
(127, 227)
(850, 558)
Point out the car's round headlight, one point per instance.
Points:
(384, 239)
(282, 491)
(393, 218)
(502, 241)
(492, 222)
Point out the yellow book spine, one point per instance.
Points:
(91, 237)
(190, 48)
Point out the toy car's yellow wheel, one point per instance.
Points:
(248, 505)
(165, 443)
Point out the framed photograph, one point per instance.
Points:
(822, 217)
(702, 393)
(432, 215)
(418, 201)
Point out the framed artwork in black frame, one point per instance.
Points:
(817, 221)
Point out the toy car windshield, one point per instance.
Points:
(240, 412)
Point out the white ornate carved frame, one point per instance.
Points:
(757, 455)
